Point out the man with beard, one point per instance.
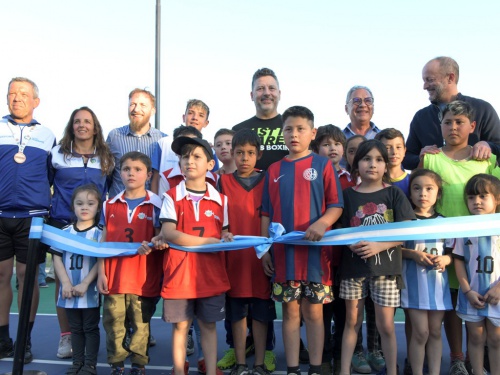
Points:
(440, 76)
(137, 136)
(267, 122)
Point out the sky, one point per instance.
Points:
(94, 52)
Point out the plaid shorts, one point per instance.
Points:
(295, 290)
(384, 290)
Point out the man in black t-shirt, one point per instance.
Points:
(267, 122)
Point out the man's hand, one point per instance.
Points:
(481, 151)
(432, 149)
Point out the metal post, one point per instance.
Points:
(24, 312)
(157, 63)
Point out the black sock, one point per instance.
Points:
(4, 333)
(137, 365)
(118, 364)
(293, 370)
(314, 369)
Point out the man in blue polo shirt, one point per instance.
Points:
(25, 146)
(136, 136)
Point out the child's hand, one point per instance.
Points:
(267, 263)
(159, 243)
(144, 249)
(475, 299)
(441, 261)
(423, 259)
(367, 249)
(80, 289)
(227, 237)
(492, 296)
(316, 231)
(102, 284)
(67, 290)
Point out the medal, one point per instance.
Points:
(19, 158)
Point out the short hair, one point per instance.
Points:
(420, 172)
(186, 131)
(298, 111)
(458, 108)
(197, 103)
(483, 183)
(364, 148)
(27, 80)
(246, 136)
(447, 65)
(188, 148)
(264, 72)
(145, 92)
(390, 133)
(354, 88)
(136, 156)
(223, 131)
(91, 189)
(328, 131)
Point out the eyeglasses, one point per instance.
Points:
(357, 101)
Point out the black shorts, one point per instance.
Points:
(14, 240)
(263, 310)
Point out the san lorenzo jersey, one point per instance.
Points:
(77, 268)
(245, 271)
(296, 194)
(482, 258)
(135, 274)
(189, 274)
(426, 288)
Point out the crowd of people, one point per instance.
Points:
(172, 191)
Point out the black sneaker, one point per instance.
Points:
(6, 348)
(74, 368)
(28, 356)
(88, 370)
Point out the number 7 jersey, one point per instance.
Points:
(481, 256)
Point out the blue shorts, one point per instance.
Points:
(263, 310)
(208, 310)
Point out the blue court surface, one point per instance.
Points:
(45, 339)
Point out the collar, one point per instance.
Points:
(342, 172)
(348, 131)
(211, 194)
(129, 131)
(150, 198)
(176, 171)
(14, 122)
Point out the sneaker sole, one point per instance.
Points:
(61, 356)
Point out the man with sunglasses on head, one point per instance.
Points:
(440, 76)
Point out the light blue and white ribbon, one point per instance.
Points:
(456, 227)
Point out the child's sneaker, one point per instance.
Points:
(228, 360)
(152, 341)
(407, 370)
(240, 370)
(270, 360)
(137, 371)
(74, 369)
(260, 370)
(359, 363)
(375, 360)
(88, 370)
(117, 371)
(457, 367)
(326, 368)
(64, 349)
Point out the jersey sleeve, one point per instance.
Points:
(403, 210)
(225, 222)
(163, 187)
(458, 250)
(168, 213)
(333, 189)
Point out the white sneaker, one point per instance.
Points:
(65, 350)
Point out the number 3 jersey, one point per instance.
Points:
(426, 287)
(134, 274)
(481, 256)
(77, 268)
